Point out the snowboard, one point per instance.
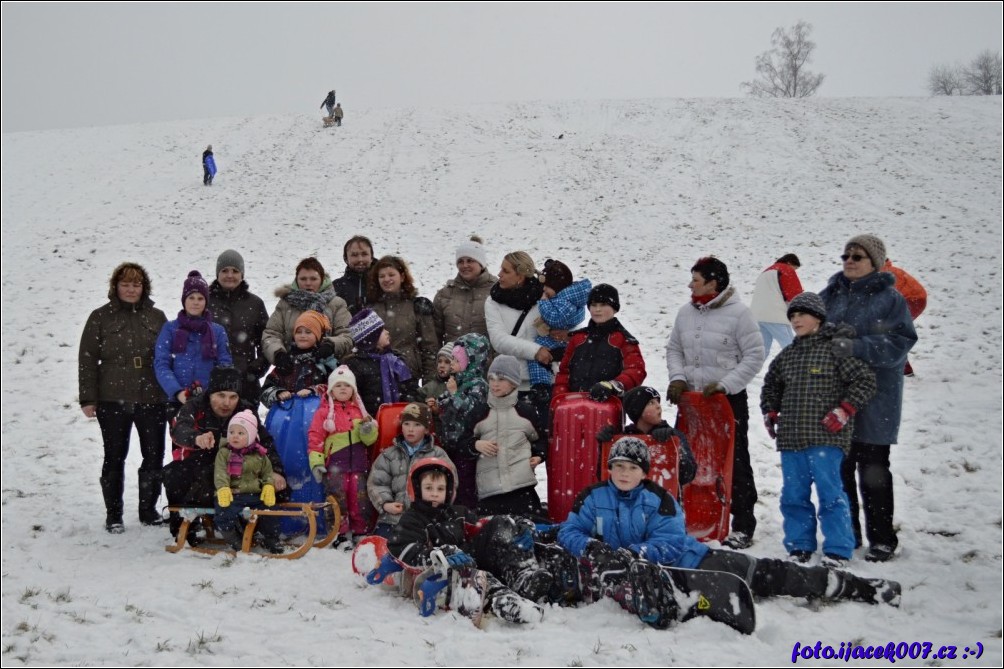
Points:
(718, 595)
(573, 460)
(288, 423)
(664, 461)
(709, 426)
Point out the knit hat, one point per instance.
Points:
(556, 275)
(712, 269)
(314, 321)
(230, 258)
(225, 379)
(629, 449)
(506, 367)
(872, 245)
(473, 249)
(446, 351)
(807, 303)
(247, 420)
(460, 355)
(365, 328)
(342, 374)
(636, 399)
(194, 284)
(418, 413)
(604, 293)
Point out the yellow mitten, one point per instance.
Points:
(225, 497)
(268, 494)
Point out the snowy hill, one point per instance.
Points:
(631, 195)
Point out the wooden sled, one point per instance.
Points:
(286, 509)
(328, 121)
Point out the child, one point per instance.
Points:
(466, 394)
(628, 517)
(433, 523)
(243, 478)
(508, 438)
(382, 376)
(339, 434)
(437, 386)
(562, 307)
(808, 400)
(643, 406)
(602, 358)
(309, 369)
(388, 481)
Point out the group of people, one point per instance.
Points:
(479, 364)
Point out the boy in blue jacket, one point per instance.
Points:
(622, 529)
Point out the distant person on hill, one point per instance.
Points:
(208, 166)
(775, 288)
(329, 104)
(338, 114)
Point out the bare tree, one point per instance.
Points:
(983, 75)
(782, 70)
(945, 80)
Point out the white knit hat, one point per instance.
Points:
(342, 374)
(473, 249)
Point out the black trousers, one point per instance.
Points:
(207, 178)
(116, 420)
(768, 577)
(870, 462)
(744, 494)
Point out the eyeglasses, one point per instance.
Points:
(856, 257)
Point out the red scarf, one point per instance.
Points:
(698, 300)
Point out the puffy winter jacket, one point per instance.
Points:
(459, 307)
(345, 447)
(255, 472)
(388, 479)
(177, 371)
(511, 425)
(718, 342)
(279, 329)
(242, 314)
(774, 289)
(471, 396)
(645, 519)
(885, 335)
(424, 528)
(597, 353)
(412, 332)
(501, 320)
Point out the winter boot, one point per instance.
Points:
(234, 539)
(565, 573)
(508, 605)
(196, 533)
(651, 595)
(111, 489)
(149, 492)
(848, 586)
(504, 546)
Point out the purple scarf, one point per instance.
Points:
(202, 327)
(235, 465)
(393, 371)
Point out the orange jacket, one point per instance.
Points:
(909, 288)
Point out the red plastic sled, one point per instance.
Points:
(573, 462)
(664, 461)
(387, 419)
(710, 427)
(367, 556)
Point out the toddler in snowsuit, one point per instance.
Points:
(562, 307)
(243, 478)
(808, 400)
(339, 435)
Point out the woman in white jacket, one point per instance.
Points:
(716, 347)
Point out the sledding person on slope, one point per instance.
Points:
(329, 103)
(433, 523)
(623, 528)
(808, 400)
(208, 166)
(338, 114)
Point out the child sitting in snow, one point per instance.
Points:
(309, 370)
(243, 478)
(382, 376)
(339, 435)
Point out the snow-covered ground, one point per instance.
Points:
(631, 195)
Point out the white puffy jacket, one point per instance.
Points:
(501, 319)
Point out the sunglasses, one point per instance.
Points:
(856, 257)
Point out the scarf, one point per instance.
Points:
(201, 327)
(306, 301)
(393, 371)
(520, 298)
(698, 300)
(235, 465)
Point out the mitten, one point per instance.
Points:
(770, 420)
(605, 434)
(268, 494)
(837, 418)
(713, 388)
(842, 347)
(283, 362)
(604, 390)
(388, 565)
(427, 593)
(662, 434)
(225, 497)
(319, 471)
(676, 390)
(325, 349)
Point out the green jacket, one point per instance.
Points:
(256, 472)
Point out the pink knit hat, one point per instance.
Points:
(247, 420)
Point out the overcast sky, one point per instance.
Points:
(79, 64)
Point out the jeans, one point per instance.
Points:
(780, 331)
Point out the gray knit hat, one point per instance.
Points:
(629, 449)
(807, 303)
(506, 367)
(872, 245)
(446, 351)
(230, 258)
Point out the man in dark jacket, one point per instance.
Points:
(351, 287)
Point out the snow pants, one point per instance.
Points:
(799, 470)
(349, 488)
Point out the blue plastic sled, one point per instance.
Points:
(288, 423)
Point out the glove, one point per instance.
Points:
(524, 540)
(712, 389)
(842, 347)
(597, 550)
(676, 389)
(268, 494)
(605, 434)
(225, 497)
(325, 349)
(662, 434)
(604, 390)
(427, 594)
(459, 559)
(388, 565)
(837, 418)
(653, 553)
(319, 471)
(770, 420)
(283, 362)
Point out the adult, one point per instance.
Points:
(351, 286)
(406, 315)
(208, 166)
(197, 433)
(459, 306)
(117, 386)
(510, 313)
(329, 103)
(190, 346)
(311, 290)
(866, 299)
(913, 292)
(716, 347)
(775, 288)
(242, 314)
